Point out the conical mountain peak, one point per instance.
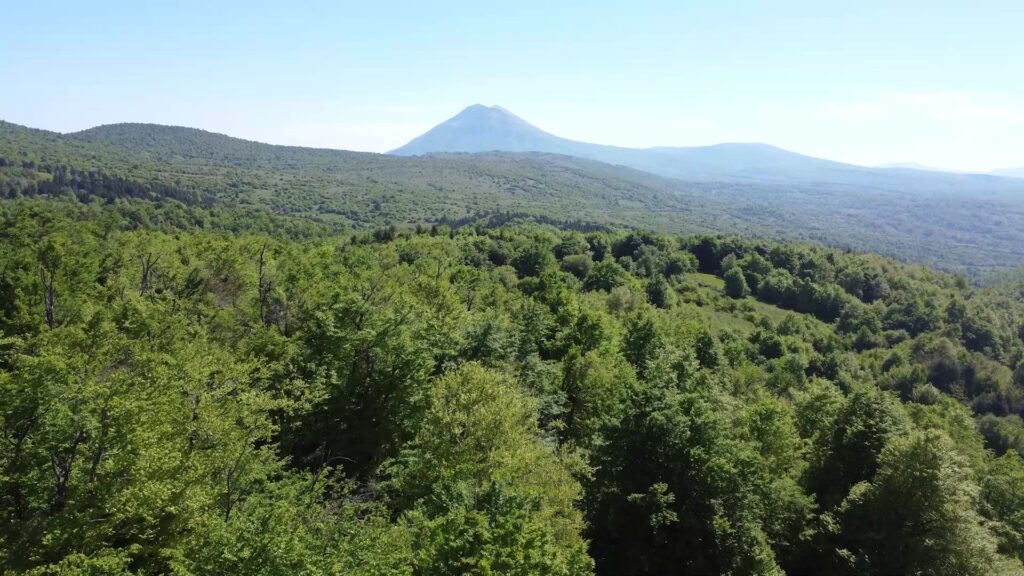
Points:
(480, 128)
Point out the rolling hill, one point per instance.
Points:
(356, 189)
(971, 234)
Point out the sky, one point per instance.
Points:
(935, 82)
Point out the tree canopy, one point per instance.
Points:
(263, 395)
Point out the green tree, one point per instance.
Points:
(642, 341)
(847, 451)
(917, 515)
(1002, 497)
(735, 283)
(579, 265)
(596, 387)
(659, 293)
(480, 490)
(676, 492)
(605, 275)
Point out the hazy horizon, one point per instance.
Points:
(916, 82)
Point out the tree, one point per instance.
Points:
(579, 265)
(679, 263)
(847, 451)
(642, 341)
(50, 260)
(533, 259)
(107, 430)
(368, 353)
(605, 275)
(572, 244)
(659, 293)
(224, 391)
(480, 490)
(596, 386)
(1002, 496)
(735, 283)
(708, 349)
(776, 287)
(674, 492)
(912, 313)
(917, 515)
(755, 267)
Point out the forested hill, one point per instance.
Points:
(177, 144)
(522, 399)
(970, 235)
(348, 189)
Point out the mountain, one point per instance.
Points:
(350, 189)
(967, 233)
(914, 166)
(1010, 173)
(480, 128)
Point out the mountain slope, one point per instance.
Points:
(1010, 172)
(485, 129)
(479, 128)
(363, 189)
(194, 146)
(972, 235)
(913, 166)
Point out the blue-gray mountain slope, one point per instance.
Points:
(484, 129)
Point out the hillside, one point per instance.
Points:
(913, 166)
(487, 129)
(972, 235)
(1010, 173)
(352, 188)
(480, 129)
(521, 399)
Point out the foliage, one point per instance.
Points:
(259, 395)
(974, 226)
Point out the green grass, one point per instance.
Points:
(711, 302)
(721, 321)
(774, 313)
(707, 280)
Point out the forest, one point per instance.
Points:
(976, 235)
(192, 388)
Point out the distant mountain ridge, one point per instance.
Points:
(162, 143)
(914, 166)
(953, 228)
(1010, 172)
(481, 128)
(1002, 173)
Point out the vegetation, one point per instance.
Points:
(971, 234)
(195, 389)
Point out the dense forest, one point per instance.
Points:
(195, 388)
(969, 234)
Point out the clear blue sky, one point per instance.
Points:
(939, 82)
